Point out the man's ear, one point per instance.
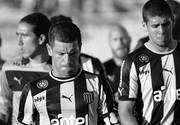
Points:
(42, 39)
(144, 26)
(49, 48)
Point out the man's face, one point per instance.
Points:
(159, 30)
(65, 58)
(119, 43)
(27, 39)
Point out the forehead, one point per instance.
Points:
(24, 27)
(64, 45)
(158, 20)
(118, 32)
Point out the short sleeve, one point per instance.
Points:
(128, 86)
(5, 97)
(26, 107)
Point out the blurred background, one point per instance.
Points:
(92, 16)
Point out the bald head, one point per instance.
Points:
(119, 41)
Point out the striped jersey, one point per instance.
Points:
(53, 101)
(152, 80)
(13, 77)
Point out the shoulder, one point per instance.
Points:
(140, 54)
(109, 64)
(40, 84)
(178, 47)
(137, 59)
(86, 57)
(90, 75)
(10, 64)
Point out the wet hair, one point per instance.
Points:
(154, 8)
(40, 23)
(66, 32)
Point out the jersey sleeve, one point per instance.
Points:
(105, 100)
(5, 97)
(26, 106)
(128, 86)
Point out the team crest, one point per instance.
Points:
(88, 97)
(144, 58)
(42, 84)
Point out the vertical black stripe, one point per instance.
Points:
(80, 88)
(23, 102)
(53, 101)
(177, 103)
(157, 82)
(125, 75)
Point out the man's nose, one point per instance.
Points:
(161, 29)
(66, 58)
(20, 41)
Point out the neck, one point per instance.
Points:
(118, 61)
(166, 48)
(41, 55)
(56, 74)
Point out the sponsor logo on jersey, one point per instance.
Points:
(144, 72)
(88, 97)
(68, 98)
(111, 77)
(42, 84)
(168, 70)
(39, 99)
(70, 120)
(159, 95)
(18, 80)
(143, 58)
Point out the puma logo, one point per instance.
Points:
(18, 80)
(69, 98)
(168, 70)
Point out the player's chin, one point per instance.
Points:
(26, 55)
(67, 70)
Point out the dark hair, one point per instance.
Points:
(156, 8)
(65, 32)
(40, 23)
(175, 7)
(60, 19)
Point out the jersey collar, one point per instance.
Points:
(65, 80)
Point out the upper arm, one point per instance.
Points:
(125, 107)
(125, 110)
(128, 86)
(26, 106)
(5, 96)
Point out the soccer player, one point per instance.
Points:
(149, 88)
(119, 42)
(88, 63)
(67, 95)
(32, 33)
(175, 8)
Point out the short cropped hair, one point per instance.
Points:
(66, 32)
(40, 23)
(156, 8)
